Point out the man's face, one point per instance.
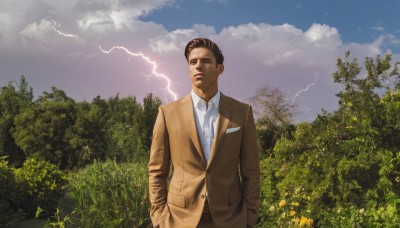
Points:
(203, 69)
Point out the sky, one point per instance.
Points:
(292, 45)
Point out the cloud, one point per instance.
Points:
(37, 32)
(291, 56)
(285, 44)
(170, 42)
(324, 35)
(393, 39)
(95, 16)
(3, 24)
(102, 15)
(175, 40)
(362, 50)
(12, 14)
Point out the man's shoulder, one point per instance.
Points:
(234, 101)
(177, 103)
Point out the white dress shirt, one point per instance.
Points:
(206, 120)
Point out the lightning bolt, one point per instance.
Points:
(137, 54)
(61, 33)
(306, 89)
(149, 61)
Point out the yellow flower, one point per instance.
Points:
(297, 221)
(292, 213)
(296, 204)
(303, 221)
(282, 203)
(309, 222)
(306, 222)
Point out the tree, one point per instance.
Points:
(146, 118)
(124, 142)
(12, 101)
(150, 109)
(55, 95)
(89, 135)
(44, 130)
(274, 115)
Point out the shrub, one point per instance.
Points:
(111, 195)
(268, 211)
(41, 184)
(7, 191)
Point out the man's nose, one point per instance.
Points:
(199, 65)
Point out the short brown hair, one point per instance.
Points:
(204, 43)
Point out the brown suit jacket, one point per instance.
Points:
(230, 180)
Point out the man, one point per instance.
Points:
(210, 139)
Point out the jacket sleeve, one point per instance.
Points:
(250, 169)
(159, 164)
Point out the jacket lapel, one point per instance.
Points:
(224, 116)
(190, 123)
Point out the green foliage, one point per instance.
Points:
(72, 135)
(35, 184)
(44, 130)
(12, 101)
(41, 185)
(145, 120)
(56, 95)
(7, 192)
(343, 168)
(57, 220)
(111, 195)
(269, 193)
(89, 136)
(124, 146)
(122, 132)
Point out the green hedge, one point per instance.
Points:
(110, 195)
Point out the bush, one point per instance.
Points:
(41, 184)
(111, 195)
(268, 194)
(7, 192)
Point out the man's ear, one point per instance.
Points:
(220, 68)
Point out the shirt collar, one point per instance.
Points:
(215, 100)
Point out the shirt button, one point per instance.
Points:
(203, 196)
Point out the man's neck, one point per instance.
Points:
(205, 95)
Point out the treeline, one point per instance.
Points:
(73, 134)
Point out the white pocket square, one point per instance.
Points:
(231, 130)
